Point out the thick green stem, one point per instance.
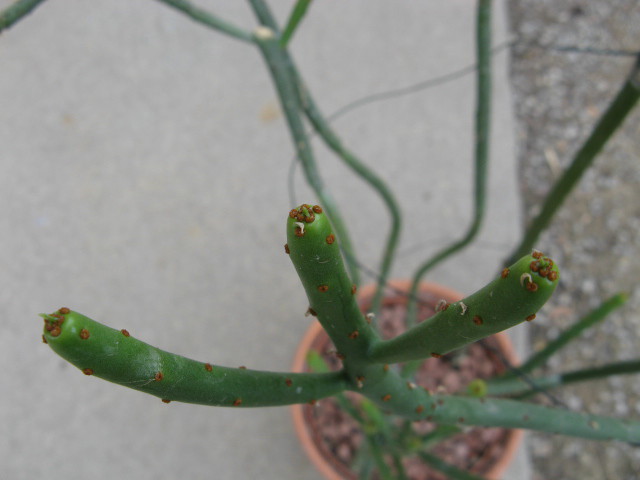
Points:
(316, 256)
(116, 356)
(10, 15)
(515, 296)
(481, 155)
(208, 19)
(395, 395)
(610, 121)
(333, 141)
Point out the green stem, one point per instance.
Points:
(394, 394)
(298, 12)
(325, 131)
(378, 456)
(594, 317)
(482, 130)
(118, 357)
(513, 297)
(15, 12)
(521, 389)
(610, 121)
(210, 20)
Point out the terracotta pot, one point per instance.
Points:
(316, 339)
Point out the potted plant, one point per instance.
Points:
(319, 247)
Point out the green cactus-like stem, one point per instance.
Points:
(116, 356)
(515, 296)
(395, 395)
(314, 251)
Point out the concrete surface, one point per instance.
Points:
(145, 168)
(559, 95)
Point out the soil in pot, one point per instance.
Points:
(479, 450)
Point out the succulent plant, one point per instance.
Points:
(320, 249)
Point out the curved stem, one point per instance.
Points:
(482, 130)
(323, 128)
(284, 80)
(331, 139)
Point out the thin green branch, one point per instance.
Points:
(610, 121)
(17, 11)
(209, 19)
(592, 318)
(482, 130)
(297, 14)
(449, 470)
(378, 456)
(331, 139)
(517, 387)
(264, 15)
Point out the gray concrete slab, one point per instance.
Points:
(145, 184)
